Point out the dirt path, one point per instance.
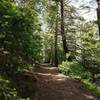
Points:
(55, 86)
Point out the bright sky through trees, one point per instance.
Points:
(86, 8)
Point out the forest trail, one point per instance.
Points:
(55, 86)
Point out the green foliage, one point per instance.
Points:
(19, 36)
(92, 87)
(74, 69)
(90, 48)
(20, 42)
(7, 92)
(18, 30)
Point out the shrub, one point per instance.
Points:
(7, 92)
(74, 69)
(92, 87)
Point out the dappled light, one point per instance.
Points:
(88, 96)
(49, 49)
(56, 86)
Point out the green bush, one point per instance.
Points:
(75, 70)
(92, 87)
(7, 92)
(20, 41)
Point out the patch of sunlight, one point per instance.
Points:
(61, 79)
(61, 75)
(44, 74)
(89, 97)
(49, 68)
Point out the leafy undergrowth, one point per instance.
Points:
(23, 85)
(92, 87)
(7, 92)
(77, 71)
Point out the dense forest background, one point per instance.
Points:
(47, 31)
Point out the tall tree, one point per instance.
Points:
(62, 27)
(98, 15)
(56, 38)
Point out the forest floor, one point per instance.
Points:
(55, 86)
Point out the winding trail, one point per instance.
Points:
(54, 86)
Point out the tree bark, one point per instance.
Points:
(98, 18)
(62, 28)
(56, 39)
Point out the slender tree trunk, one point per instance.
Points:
(98, 16)
(52, 53)
(56, 39)
(62, 27)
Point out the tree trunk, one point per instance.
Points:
(56, 39)
(62, 27)
(52, 53)
(98, 17)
